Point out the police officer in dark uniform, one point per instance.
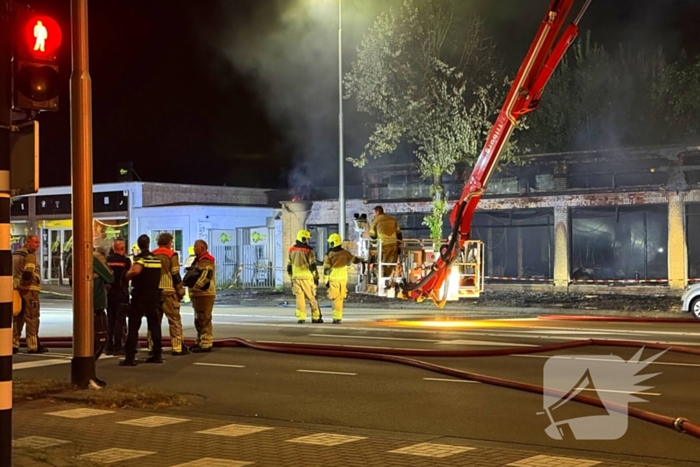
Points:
(117, 299)
(145, 301)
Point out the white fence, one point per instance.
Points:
(246, 259)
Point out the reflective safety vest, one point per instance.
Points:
(302, 262)
(25, 270)
(170, 269)
(335, 264)
(206, 283)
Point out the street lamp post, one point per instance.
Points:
(83, 363)
(341, 158)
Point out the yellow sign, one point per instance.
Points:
(59, 224)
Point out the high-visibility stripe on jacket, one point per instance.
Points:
(302, 262)
(146, 285)
(206, 264)
(25, 270)
(385, 228)
(170, 269)
(335, 264)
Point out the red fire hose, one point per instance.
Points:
(679, 424)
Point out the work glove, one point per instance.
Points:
(316, 282)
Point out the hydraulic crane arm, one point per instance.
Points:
(540, 62)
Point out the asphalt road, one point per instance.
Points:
(381, 395)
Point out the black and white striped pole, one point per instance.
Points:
(5, 254)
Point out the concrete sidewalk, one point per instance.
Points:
(50, 433)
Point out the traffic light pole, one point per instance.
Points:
(83, 363)
(5, 253)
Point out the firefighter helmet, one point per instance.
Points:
(335, 240)
(303, 236)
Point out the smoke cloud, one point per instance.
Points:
(289, 50)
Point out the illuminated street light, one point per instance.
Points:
(341, 155)
(341, 158)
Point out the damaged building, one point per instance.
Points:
(580, 221)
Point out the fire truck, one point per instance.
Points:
(453, 268)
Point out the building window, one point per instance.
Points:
(518, 243)
(692, 225)
(619, 243)
(177, 241)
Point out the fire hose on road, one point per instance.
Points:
(402, 356)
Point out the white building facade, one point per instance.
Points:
(237, 223)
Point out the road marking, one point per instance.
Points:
(619, 392)
(327, 372)
(53, 359)
(623, 331)
(446, 380)
(433, 341)
(491, 343)
(49, 355)
(350, 336)
(338, 346)
(575, 332)
(564, 357)
(220, 364)
(38, 364)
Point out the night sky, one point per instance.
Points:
(245, 93)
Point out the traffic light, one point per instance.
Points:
(36, 82)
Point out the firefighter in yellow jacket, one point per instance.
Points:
(27, 280)
(385, 228)
(172, 291)
(302, 269)
(203, 294)
(335, 270)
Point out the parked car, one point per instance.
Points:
(691, 300)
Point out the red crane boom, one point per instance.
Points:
(541, 60)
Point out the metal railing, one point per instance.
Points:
(415, 261)
(247, 267)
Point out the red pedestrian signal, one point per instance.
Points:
(40, 36)
(36, 81)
